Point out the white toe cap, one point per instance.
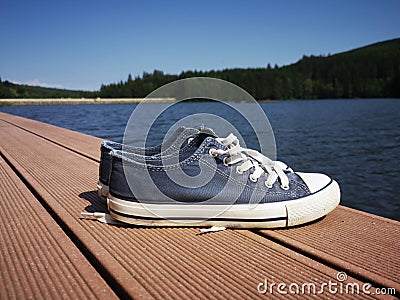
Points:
(314, 181)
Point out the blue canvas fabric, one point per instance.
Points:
(172, 144)
(148, 180)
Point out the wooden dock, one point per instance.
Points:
(48, 177)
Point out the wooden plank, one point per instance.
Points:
(155, 262)
(81, 143)
(37, 259)
(359, 243)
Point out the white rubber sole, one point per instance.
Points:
(266, 215)
(102, 190)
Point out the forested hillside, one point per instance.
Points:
(12, 90)
(368, 72)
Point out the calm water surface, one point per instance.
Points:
(357, 142)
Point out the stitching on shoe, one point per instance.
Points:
(298, 187)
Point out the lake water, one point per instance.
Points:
(357, 142)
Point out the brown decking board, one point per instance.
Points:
(353, 241)
(175, 262)
(85, 144)
(37, 259)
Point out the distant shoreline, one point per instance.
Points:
(73, 101)
(57, 101)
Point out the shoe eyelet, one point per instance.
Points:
(212, 152)
(239, 171)
(284, 187)
(224, 162)
(268, 186)
(252, 178)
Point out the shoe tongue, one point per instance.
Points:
(193, 143)
(206, 130)
(187, 135)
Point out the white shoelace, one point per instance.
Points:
(252, 159)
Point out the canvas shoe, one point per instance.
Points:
(172, 143)
(223, 184)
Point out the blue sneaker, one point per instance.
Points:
(216, 182)
(172, 144)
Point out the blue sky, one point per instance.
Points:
(82, 44)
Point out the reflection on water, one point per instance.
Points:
(357, 142)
